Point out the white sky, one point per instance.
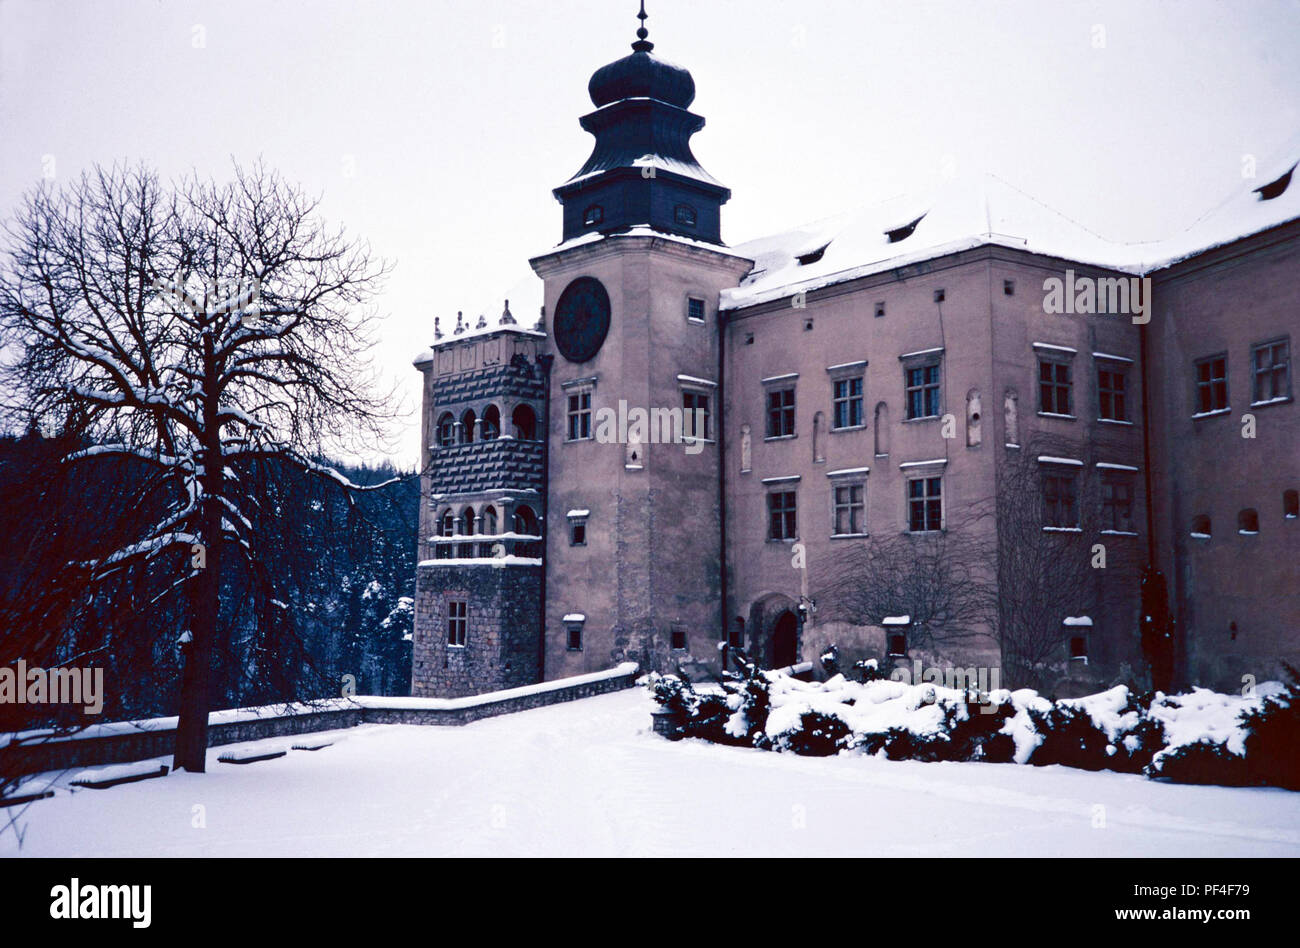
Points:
(455, 118)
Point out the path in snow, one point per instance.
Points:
(589, 778)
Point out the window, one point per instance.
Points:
(939, 296)
(1248, 522)
(490, 425)
(593, 216)
(1008, 287)
(685, 215)
(1201, 527)
(922, 384)
(780, 413)
(781, 523)
(446, 528)
(925, 504)
(1212, 384)
(457, 622)
(1060, 499)
(749, 338)
(525, 522)
(847, 402)
(880, 310)
(467, 421)
(850, 509)
(1290, 504)
(579, 415)
(1111, 385)
(1117, 504)
(695, 416)
(897, 646)
(1271, 368)
(736, 635)
(525, 423)
(446, 430)
(578, 527)
(1053, 386)
(695, 309)
(573, 628)
(1079, 648)
(678, 635)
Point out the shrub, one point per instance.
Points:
(1069, 738)
(1273, 737)
(819, 735)
(1202, 762)
(979, 736)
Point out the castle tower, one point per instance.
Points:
(478, 583)
(634, 549)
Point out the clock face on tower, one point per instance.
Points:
(581, 319)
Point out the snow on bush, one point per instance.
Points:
(1198, 737)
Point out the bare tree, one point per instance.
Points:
(943, 580)
(199, 330)
(1047, 573)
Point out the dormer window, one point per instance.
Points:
(812, 256)
(902, 233)
(1275, 188)
(593, 215)
(684, 215)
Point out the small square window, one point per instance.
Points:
(880, 310)
(678, 638)
(749, 338)
(593, 216)
(578, 533)
(695, 309)
(573, 631)
(897, 644)
(938, 296)
(1008, 287)
(684, 214)
(807, 325)
(1078, 647)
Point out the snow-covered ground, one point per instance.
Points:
(589, 778)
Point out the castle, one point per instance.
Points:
(953, 430)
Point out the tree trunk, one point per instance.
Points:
(191, 751)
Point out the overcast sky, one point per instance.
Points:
(436, 129)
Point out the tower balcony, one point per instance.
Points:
(498, 464)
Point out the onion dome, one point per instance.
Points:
(642, 76)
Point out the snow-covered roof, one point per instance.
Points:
(896, 620)
(983, 209)
(1083, 621)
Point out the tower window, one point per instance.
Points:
(457, 622)
(573, 630)
(695, 309)
(578, 527)
(579, 415)
(1248, 522)
(925, 504)
(593, 215)
(749, 338)
(1008, 287)
(880, 310)
(939, 296)
(678, 638)
(1079, 648)
(1290, 504)
(684, 214)
(695, 416)
(1201, 527)
(446, 430)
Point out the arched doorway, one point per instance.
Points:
(785, 640)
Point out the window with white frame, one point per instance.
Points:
(1211, 384)
(696, 420)
(846, 402)
(782, 522)
(780, 411)
(1055, 385)
(848, 499)
(457, 622)
(695, 309)
(921, 382)
(578, 413)
(1112, 391)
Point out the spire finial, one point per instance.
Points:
(642, 45)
